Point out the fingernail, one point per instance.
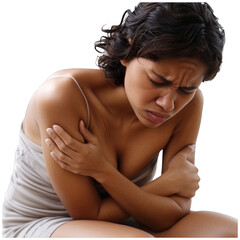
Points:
(55, 127)
(53, 155)
(49, 130)
(193, 146)
(48, 142)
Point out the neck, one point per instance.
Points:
(116, 103)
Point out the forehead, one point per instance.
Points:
(182, 71)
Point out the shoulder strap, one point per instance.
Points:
(86, 101)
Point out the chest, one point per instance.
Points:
(131, 152)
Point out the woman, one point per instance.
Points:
(90, 138)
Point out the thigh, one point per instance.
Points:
(97, 229)
(202, 224)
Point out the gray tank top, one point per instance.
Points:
(30, 195)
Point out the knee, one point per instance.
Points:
(137, 233)
(222, 225)
(232, 229)
(143, 235)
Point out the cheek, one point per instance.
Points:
(136, 90)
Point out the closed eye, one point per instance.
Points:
(188, 90)
(158, 83)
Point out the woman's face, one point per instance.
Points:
(159, 90)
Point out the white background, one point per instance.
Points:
(38, 37)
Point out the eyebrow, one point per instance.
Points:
(170, 82)
(161, 77)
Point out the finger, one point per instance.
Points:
(86, 133)
(188, 149)
(187, 153)
(60, 157)
(60, 163)
(63, 164)
(67, 138)
(49, 143)
(59, 143)
(191, 153)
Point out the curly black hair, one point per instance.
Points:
(163, 30)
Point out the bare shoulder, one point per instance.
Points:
(194, 106)
(198, 99)
(186, 128)
(59, 101)
(61, 90)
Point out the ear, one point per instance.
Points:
(124, 62)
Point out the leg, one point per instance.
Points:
(202, 224)
(97, 229)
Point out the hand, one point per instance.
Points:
(80, 158)
(183, 174)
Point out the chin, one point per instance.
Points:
(149, 124)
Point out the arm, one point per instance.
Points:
(99, 169)
(156, 212)
(92, 163)
(181, 178)
(55, 103)
(185, 133)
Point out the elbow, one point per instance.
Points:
(82, 217)
(168, 221)
(172, 216)
(83, 211)
(84, 214)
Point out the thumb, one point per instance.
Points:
(189, 152)
(88, 136)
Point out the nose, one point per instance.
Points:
(166, 101)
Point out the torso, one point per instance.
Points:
(129, 148)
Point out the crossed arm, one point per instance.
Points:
(158, 205)
(155, 204)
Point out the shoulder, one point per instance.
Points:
(186, 128)
(193, 110)
(57, 93)
(197, 100)
(63, 86)
(196, 103)
(60, 101)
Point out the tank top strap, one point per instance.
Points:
(84, 96)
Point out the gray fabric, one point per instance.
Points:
(31, 207)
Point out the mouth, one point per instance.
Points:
(157, 117)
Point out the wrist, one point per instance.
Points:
(169, 180)
(103, 171)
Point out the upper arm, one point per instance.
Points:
(186, 130)
(60, 103)
(185, 133)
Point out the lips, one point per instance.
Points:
(157, 117)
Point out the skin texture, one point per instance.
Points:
(120, 124)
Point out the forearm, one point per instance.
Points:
(161, 186)
(111, 211)
(146, 205)
(155, 212)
